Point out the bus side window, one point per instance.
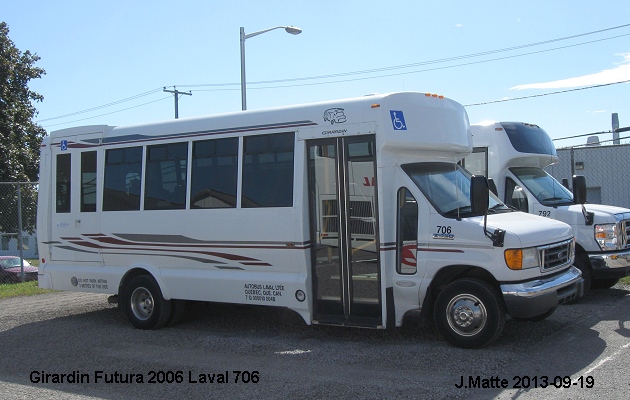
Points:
(123, 171)
(166, 184)
(214, 175)
(88, 181)
(407, 233)
(515, 196)
(63, 183)
(268, 170)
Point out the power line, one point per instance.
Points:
(102, 106)
(545, 94)
(225, 86)
(430, 62)
(591, 145)
(112, 112)
(387, 75)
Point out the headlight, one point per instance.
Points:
(522, 258)
(607, 236)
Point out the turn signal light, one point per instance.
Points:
(514, 258)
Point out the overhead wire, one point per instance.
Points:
(437, 61)
(103, 106)
(546, 94)
(225, 86)
(112, 112)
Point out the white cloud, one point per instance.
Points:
(459, 26)
(617, 74)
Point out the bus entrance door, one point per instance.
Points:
(343, 213)
(75, 220)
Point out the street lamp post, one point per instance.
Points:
(289, 29)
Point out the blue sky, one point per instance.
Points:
(115, 57)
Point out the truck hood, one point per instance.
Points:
(623, 213)
(528, 229)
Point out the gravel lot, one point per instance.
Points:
(90, 341)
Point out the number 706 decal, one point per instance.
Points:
(444, 232)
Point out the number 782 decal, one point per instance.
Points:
(444, 232)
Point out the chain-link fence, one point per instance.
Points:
(604, 168)
(18, 240)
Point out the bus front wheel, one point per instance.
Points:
(469, 313)
(144, 305)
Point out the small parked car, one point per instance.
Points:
(10, 270)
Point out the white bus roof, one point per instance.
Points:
(441, 123)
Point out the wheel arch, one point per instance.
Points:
(144, 270)
(449, 274)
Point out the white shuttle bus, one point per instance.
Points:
(351, 212)
(514, 155)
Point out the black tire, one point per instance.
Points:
(581, 263)
(144, 305)
(537, 318)
(604, 283)
(178, 309)
(469, 313)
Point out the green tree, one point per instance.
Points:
(20, 136)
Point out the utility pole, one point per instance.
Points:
(176, 94)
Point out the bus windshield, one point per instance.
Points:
(547, 190)
(529, 138)
(447, 187)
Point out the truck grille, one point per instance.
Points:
(625, 228)
(557, 255)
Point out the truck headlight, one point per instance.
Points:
(607, 236)
(522, 258)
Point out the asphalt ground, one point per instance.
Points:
(253, 352)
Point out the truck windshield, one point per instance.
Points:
(447, 187)
(547, 190)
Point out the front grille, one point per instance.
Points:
(556, 255)
(625, 228)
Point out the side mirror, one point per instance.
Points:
(579, 189)
(479, 193)
(565, 183)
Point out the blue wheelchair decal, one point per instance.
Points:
(64, 145)
(398, 120)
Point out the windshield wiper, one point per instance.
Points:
(558, 199)
(499, 207)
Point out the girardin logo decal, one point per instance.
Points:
(334, 115)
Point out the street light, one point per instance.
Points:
(290, 29)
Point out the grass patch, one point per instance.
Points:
(20, 289)
(625, 280)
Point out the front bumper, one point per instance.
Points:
(532, 298)
(610, 265)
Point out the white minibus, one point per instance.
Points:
(514, 155)
(351, 212)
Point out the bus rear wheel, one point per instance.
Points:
(469, 313)
(144, 305)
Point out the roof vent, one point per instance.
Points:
(592, 141)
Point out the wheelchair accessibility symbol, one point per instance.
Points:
(64, 145)
(398, 120)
